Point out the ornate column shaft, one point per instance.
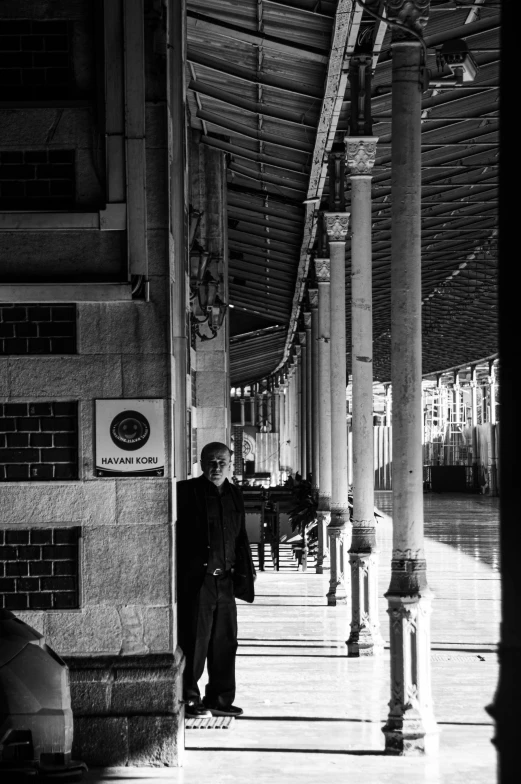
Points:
(410, 727)
(322, 548)
(303, 403)
(337, 224)
(474, 422)
(309, 395)
(322, 268)
(243, 413)
(292, 446)
(315, 422)
(281, 399)
(298, 408)
(364, 639)
(276, 409)
(388, 399)
(493, 483)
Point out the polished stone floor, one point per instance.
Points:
(312, 715)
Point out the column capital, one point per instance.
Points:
(412, 14)
(313, 298)
(302, 338)
(337, 225)
(361, 153)
(297, 352)
(323, 268)
(307, 320)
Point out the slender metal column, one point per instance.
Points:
(252, 406)
(269, 412)
(281, 399)
(322, 268)
(492, 479)
(298, 408)
(243, 414)
(309, 392)
(388, 400)
(322, 549)
(337, 224)
(315, 422)
(364, 639)
(290, 433)
(474, 423)
(411, 727)
(492, 392)
(303, 403)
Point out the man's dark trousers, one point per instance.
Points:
(208, 633)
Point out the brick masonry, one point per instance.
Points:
(39, 569)
(37, 179)
(37, 329)
(38, 441)
(35, 59)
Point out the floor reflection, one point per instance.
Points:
(468, 522)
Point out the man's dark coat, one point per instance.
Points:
(193, 540)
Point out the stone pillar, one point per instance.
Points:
(411, 727)
(309, 395)
(243, 413)
(324, 402)
(365, 636)
(337, 224)
(303, 403)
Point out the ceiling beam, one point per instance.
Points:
(265, 177)
(253, 133)
(283, 115)
(284, 211)
(211, 26)
(251, 155)
(240, 72)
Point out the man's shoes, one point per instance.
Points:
(232, 710)
(196, 710)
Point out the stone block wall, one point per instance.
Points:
(119, 639)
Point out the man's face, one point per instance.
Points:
(216, 465)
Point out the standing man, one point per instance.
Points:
(214, 566)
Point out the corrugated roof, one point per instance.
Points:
(258, 73)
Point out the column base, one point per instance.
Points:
(127, 710)
(322, 552)
(411, 728)
(408, 736)
(364, 638)
(336, 594)
(366, 642)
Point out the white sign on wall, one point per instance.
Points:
(130, 438)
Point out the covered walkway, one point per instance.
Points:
(312, 714)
